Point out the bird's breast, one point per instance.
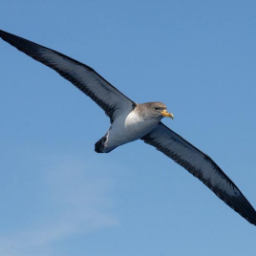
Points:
(137, 124)
(128, 128)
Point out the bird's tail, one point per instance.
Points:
(101, 147)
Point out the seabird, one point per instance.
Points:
(132, 121)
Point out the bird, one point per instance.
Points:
(131, 121)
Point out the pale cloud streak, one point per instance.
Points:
(77, 201)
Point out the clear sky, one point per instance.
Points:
(58, 197)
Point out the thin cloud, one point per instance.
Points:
(75, 202)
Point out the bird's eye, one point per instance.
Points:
(157, 108)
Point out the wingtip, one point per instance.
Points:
(2, 32)
(4, 35)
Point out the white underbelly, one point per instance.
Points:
(128, 128)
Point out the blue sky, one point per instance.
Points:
(58, 197)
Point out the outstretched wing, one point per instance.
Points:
(82, 76)
(202, 167)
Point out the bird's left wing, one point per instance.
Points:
(202, 167)
(82, 76)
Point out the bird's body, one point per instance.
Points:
(129, 126)
(131, 121)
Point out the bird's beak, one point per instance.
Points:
(167, 114)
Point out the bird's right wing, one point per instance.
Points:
(202, 167)
(82, 76)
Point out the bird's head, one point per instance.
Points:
(158, 109)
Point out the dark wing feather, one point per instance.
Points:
(82, 76)
(202, 167)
